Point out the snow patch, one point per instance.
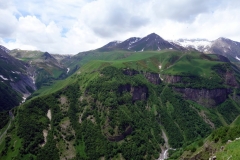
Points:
(134, 41)
(237, 58)
(198, 44)
(142, 50)
(159, 48)
(33, 79)
(24, 99)
(3, 78)
(68, 69)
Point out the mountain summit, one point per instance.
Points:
(151, 42)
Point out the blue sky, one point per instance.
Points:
(71, 26)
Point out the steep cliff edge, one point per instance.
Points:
(151, 77)
(205, 97)
(171, 79)
(137, 92)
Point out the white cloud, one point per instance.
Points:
(8, 23)
(60, 26)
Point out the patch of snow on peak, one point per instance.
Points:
(3, 78)
(198, 44)
(142, 50)
(68, 69)
(117, 41)
(237, 58)
(134, 41)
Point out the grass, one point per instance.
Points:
(231, 151)
(15, 145)
(172, 62)
(236, 122)
(26, 55)
(81, 149)
(192, 64)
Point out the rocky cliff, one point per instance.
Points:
(151, 77)
(230, 79)
(205, 97)
(120, 137)
(137, 92)
(171, 79)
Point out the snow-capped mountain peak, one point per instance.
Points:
(199, 44)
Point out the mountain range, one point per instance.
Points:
(142, 98)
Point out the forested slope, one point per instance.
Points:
(120, 109)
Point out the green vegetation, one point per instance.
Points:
(111, 109)
(8, 97)
(4, 118)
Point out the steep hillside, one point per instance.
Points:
(16, 80)
(118, 50)
(138, 106)
(227, 48)
(222, 144)
(45, 66)
(221, 46)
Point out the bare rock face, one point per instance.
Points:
(171, 79)
(130, 72)
(205, 97)
(24, 86)
(230, 79)
(151, 77)
(120, 137)
(137, 92)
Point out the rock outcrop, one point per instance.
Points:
(230, 79)
(120, 137)
(130, 72)
(151, 77)
(137, 92)
(205, 97)
(171, 79)
(24, 86)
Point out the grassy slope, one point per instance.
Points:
(145, 61)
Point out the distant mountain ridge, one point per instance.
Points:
(16, 80)
(151, 42)
(221, 46)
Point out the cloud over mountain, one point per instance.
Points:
(77, 25)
